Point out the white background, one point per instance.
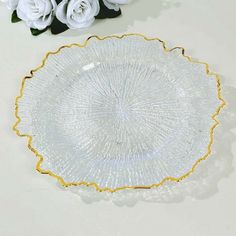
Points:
(32, 204)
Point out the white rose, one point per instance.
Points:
(11, 4)
(118, 1)
(38, 14)
(77, 13)
(114, 4)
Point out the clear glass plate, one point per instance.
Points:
(119, 112)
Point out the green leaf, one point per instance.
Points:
(105, 12)
(14, 17)
(37, 32)
(58, 1)
(58, 27)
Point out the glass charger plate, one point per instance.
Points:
(120, 112)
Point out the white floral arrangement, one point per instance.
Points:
(60, 15)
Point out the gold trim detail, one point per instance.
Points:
(95, 185)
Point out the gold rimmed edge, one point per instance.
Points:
(95, 185)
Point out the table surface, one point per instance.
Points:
(32, 204)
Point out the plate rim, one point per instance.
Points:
(93, 184)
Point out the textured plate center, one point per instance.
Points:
(118, 111)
